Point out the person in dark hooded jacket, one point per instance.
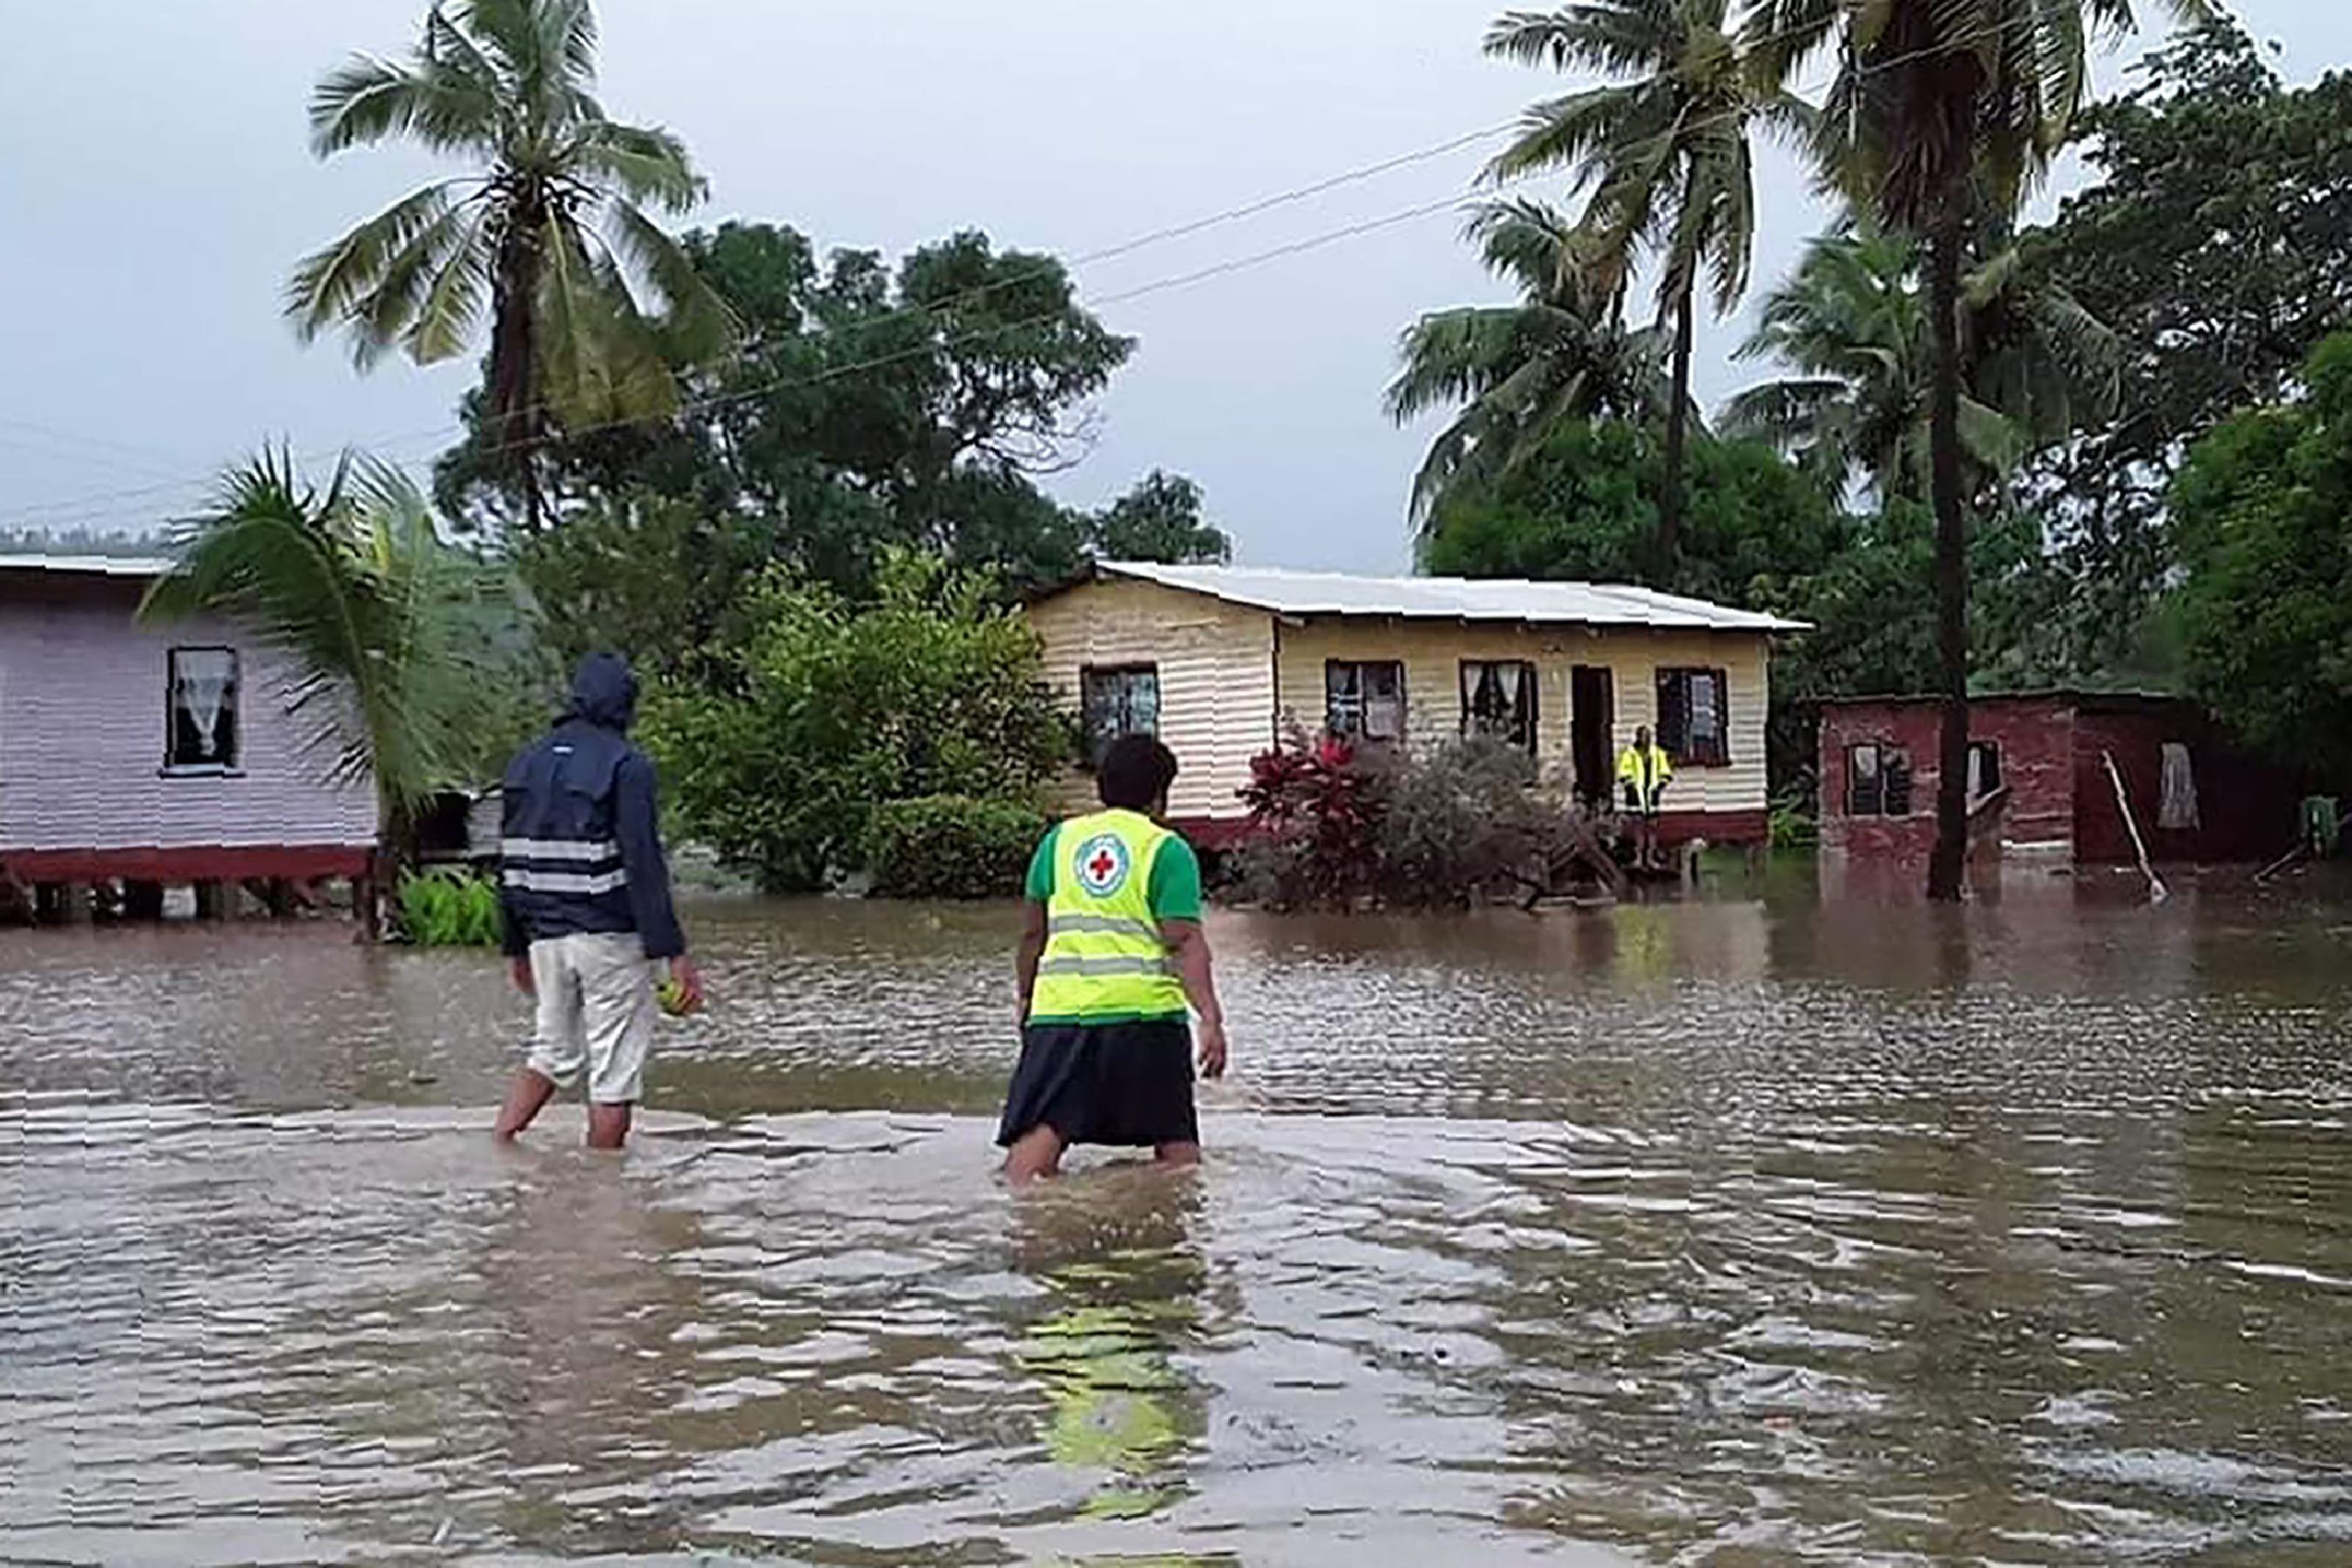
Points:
(586, 895)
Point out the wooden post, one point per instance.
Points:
(209, 900)
(49, 903)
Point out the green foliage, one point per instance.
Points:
(2261, 510)
(951, 846)
(831, 709)
(1512, 373)
(1663, 147)
(590, 304)
(410, 650)
(1583, 507)
(653, 574)
(1336, 826)
(877, 408)
(1852, 324)
(1158, 520)
(2216, 243)
(443, 908)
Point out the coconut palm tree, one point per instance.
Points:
(1943, 112)
(1851, 323)
(589, 302)
(1515, 371)
(1667, 154)
(400, 641)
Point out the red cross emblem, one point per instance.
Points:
(1101, 865)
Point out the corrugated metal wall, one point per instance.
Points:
(1216, 679)
(1433, 653)
(82, 708)
(1219, 705)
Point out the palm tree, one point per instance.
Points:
(1517, 371)
(590, 301)
(1667, 155)
(1851, 323)
(400, 640)
(1943, 112)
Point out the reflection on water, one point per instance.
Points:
(1724, 1233)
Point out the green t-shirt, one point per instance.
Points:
(1175, 889)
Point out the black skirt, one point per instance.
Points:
(1128, 1085)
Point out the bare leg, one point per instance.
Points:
(525, 1100)
(608, 1125)
(1179, 1156)
(1036, 1155)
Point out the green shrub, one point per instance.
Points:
(951, 846)
(832, 709)
(445, 908)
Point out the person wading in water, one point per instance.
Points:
(1111, 951)
(585, 892)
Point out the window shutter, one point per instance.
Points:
(1674, 720)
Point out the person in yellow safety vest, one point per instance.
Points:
(1111, 952)
(1645, 769)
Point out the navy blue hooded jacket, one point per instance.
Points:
(582, 848)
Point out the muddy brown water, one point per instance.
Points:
(1758, 1230)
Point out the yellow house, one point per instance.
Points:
(1220, 662)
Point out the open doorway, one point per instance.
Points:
(1593, 721)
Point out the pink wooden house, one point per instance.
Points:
(135, 757)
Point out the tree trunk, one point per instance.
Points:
(511, 405)
(1670, 493)
(1947, 868)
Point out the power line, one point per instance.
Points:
(79, 510)
(71, 510)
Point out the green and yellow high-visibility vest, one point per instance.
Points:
(1105, 962)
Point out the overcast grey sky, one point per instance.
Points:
(155, 188)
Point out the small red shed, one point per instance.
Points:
(2038, 779)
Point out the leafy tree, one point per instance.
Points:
(1853, 326)
(1940, 113)
(1667, 155)
(661, 578)
(551, 233)
(1158, 520)
(1514, 373)
(2261, 510)
(2216, 243)
(871, 409)
(1585, 508)
(406, 645)
(833, 708)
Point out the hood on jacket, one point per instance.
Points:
(604, 692)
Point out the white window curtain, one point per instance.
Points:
(205, 677)
(2176, 807)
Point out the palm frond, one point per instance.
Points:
(698, 323)
(451, 304)
(367, 100)
(643, 163)
(392, 633)
(326, 286)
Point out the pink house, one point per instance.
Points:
(136, 756)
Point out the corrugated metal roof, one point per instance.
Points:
(87, 566)
(1453, 598)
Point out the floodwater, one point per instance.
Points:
(1755, 1230)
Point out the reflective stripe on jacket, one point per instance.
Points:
(1105, 960)
(581, 851)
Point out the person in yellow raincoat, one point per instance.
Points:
(1643, 771)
